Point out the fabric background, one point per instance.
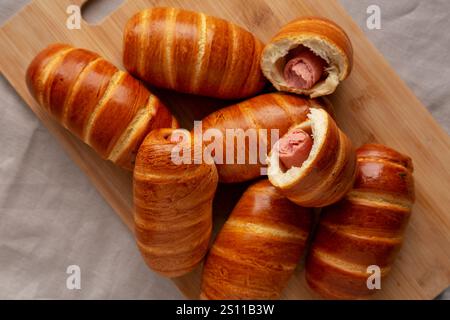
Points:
(52, 217)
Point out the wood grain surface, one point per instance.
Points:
(372, 105)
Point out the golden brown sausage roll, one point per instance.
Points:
(258, 248)
(365, 228)
(308, 56)
(194, 53)
(326, 172)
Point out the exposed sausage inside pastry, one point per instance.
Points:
(304, 68)
(309, 56)
(262, 114)
(328, 171)
(294, 148)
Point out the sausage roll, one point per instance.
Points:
(194, 53)
(314, 163)
(258, 248)
(365, 229)
(308, 56)
(103, 106)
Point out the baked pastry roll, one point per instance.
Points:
(263, 113)
(173, 205)
(365, 228)
(258, 248)
(192, 52)
(309, 56)
(314, 163)
(103, 106)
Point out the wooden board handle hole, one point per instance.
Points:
(95, 11)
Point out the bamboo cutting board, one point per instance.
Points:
(372, 105)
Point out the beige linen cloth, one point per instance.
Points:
(52, 217)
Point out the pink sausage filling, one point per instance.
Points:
(294, 148)
(303, 68)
